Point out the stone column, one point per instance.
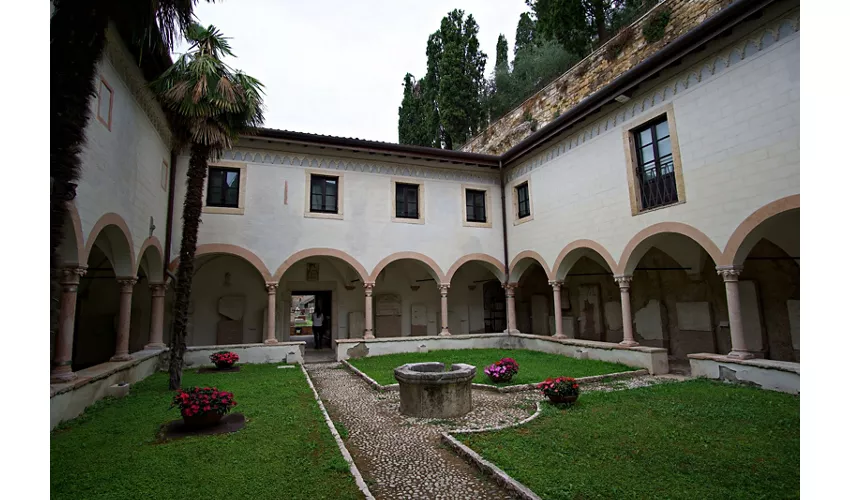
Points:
(559, 321)
(444, 308)
(510, 289)
(157, 315)
(122, 341)
(626, 303)
(270, 314)
(367, 316)
(730, 276)
(64, 341)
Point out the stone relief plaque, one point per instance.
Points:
(388, 305)
(312, 271)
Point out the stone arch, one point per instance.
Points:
(434, 269)
(746, 235)
(643, 240)
(72, 250)
(522, 261)
(320, 252)
(576, 250)
(120, 243)
(222, 248)
(151, 257)
(491, 263)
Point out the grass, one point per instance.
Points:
(533, 366)
(695, 439)
(285, 449)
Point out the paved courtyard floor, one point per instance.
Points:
(402, 457)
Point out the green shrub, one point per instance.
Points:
(653, 28)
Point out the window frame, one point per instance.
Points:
(323, 182)
(488, 213)
(222, 202)
(633, 158)
(407, 191)
(420, 200)
(243, 182)
(107, 121)
(525, 179)
(340, 191)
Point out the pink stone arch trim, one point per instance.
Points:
(428, 261)
(588, 244)
(668, 227)
(153, 243)
(77, 228)
(478, 257)
(320, 252)
(527, 254)
(110, 219)
(223, 248)
(750, 223)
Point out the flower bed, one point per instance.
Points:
(560, 390)
(224, 359)
(502, 371)
(203, 406)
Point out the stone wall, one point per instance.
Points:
(589, 75)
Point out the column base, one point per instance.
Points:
(445, 333)
(121, 357)
(368, 335)
(156, 345)
(559, 336)
(629, 343)
(62, 375)
(741, 355)
(270, 342)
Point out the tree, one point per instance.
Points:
(413, 119)
(216, 105)
(525, 31)
(77, 40)
(579, 25)
(501, 51)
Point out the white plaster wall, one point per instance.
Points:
(290, 352)
(274, 225)
(121, 167)
(772, 375)
(738, 134)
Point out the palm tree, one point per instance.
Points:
(216, 104)
(77, 39)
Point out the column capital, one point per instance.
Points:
(158, 289)
(127, 283)
(444, 289)
(623, 280)
(272, 288)
(510, 288)
(368, 286)
(556, 285)
(730, 273)
(72, 275)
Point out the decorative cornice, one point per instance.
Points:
(123, 62)
(380, 168)
(747, 46)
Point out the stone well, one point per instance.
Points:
(428, 390)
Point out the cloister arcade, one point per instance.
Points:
(672, 288)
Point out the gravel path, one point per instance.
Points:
(402, 457)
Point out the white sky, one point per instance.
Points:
(336, 67)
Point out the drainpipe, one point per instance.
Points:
(504, 220)
(172, 179)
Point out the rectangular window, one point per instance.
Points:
(104, 103)
(406, 201)
(655, 172)
(523, 206)
(223, 187)
(324, 191)
(475, 206)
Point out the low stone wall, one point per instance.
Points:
(282, 352)
(782, 376)
(653, 359)
(69, 400)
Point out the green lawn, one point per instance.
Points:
(695, 439)
(533, 366)
(284, 451)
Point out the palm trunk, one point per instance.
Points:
(188, 245)
(77, 39)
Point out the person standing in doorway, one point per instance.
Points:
(318, 327)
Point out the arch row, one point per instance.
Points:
(735, 252)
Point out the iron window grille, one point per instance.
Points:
(223, 187)
(475, 207)
(324, 191)
(406, 201)
(523, 206)
(655, 172)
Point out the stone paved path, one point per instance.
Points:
(402, 457)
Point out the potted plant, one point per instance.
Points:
(560, 390)
(502, 370)
(224, 359)
(203, 406)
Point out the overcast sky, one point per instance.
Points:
(336, 67)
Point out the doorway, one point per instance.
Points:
(302, 307)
